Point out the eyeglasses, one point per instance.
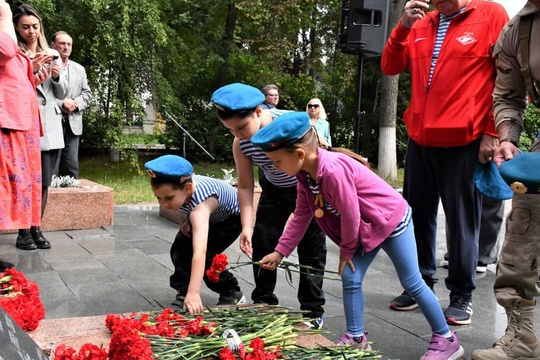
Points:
(273, 95)
(313, 106)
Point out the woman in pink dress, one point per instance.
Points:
(20, 161)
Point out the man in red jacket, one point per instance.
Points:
(450, 126)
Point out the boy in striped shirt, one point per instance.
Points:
(212, 224)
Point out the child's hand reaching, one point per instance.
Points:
(342, 263)
(193, 303)
(245, 242)
(270, 261)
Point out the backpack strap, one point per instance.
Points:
(525, 25)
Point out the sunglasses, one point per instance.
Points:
(313, 106)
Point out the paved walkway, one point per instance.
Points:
(126, 268)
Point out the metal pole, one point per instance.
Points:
(185, 132)
(184, 145)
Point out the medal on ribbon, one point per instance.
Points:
(319, 213)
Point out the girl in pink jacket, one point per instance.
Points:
(361, 213)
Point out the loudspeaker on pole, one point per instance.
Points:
(364, 26)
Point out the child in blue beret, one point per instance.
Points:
(212, 225)
(239, 109)
(357, 210)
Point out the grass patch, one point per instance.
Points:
(132, 186)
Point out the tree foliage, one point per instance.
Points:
(177, 52)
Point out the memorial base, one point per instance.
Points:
(88, 206)
(75, 332)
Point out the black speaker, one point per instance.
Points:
(364, 26)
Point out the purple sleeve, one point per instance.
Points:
(297, 226)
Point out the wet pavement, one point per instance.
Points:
(126, 267)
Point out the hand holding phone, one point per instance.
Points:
(54, 68)
(413, 11)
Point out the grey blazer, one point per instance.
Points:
(51, 115)
(78, 91)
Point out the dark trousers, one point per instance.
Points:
(68, 161)
(273, 211)
(490, 228)
(446, 174)
(48, 161)
(220, 236)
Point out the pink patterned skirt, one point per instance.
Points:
(20, 178)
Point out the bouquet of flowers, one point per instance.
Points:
(19, 297)
(239, 333)
(220, 263)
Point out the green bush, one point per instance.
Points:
(531, 127)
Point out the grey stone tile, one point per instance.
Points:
(88, 277)
(66, 249)
(88, 233)
(136, 269)
(57, 298)
(131, 233)
(163, 259)
(103, 245)
(106, 298)
(152, 246)
(78, 265)
(30, 262)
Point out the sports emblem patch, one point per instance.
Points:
(466, 39)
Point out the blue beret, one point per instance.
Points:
(522, 172)
(489, 182)
(169, 167)
(237, 97)
(284, 130)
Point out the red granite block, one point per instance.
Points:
(75, 332)
(89, 206)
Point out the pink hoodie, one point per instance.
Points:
(369, 208)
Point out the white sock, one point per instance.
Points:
(447, 335)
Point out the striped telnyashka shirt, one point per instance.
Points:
(276, 177)
(226, 194)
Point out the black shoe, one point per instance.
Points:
(232, 298)
(39, 239)
(179, 301)
(5, 265)
(25, 241)
(459, 312)
(403, 302)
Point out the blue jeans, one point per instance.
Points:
(402, 252)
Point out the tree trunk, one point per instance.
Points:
(387, 128)
(228, 38)
(223, 75)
